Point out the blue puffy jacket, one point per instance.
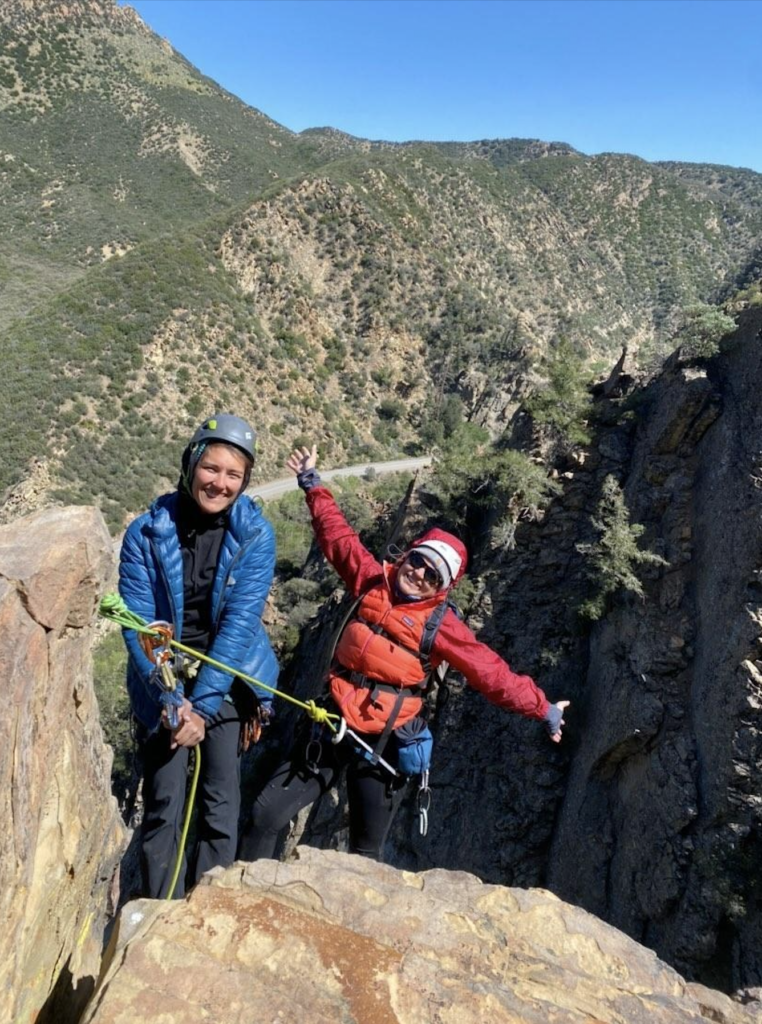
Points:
(151, 583)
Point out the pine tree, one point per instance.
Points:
(613, 558)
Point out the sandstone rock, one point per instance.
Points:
(331, 937)
(61, 836)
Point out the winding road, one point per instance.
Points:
(275, 488)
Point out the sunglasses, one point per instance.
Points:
(431, 576)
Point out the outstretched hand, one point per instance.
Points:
(561, 705)
(302, 459)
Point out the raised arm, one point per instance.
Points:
(338, 541)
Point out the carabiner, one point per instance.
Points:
(312, 756)
(340, 733)
(423, 801)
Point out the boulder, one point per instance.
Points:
(330, 937)
(61, 835)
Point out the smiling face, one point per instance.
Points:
(416, 577)
(218, 478)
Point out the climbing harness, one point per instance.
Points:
(414, 738)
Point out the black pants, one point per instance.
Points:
(314, 768)
(218, 803)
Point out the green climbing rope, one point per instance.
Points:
(186, 822)
(113, 608)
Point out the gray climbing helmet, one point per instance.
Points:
(221, 428)
(226, 429)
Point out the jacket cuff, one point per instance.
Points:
(309, 479)
(552, 719)
(202, 713)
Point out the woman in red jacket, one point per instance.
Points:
(382, 659)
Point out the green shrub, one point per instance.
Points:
(382, 375)
(470, 471)
(391, 409)
(293, 532)
(702, 330)
(451, 414)
(613, 558)
(563, 404)
(109, 669)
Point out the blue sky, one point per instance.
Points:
(663, 79)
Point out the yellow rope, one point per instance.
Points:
(112, 607)
(186, 822)
(319, 715)
(316, 713)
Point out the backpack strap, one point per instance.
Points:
(431, 628)
(383, 739)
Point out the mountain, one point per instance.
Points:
(166, 250)
(109, 137)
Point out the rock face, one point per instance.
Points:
(661, 827)
(61, 834)
(332, 937)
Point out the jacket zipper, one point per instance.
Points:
(244, 547)
(167, 587)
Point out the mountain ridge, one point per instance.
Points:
(166, 248)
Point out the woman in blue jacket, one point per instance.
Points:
(202, 559)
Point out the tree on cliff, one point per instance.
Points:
(703, 329)
(613, 558)
(561, 407)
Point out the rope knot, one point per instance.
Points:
(317, 714)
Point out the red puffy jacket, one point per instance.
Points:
(381, 643)
(455, 643)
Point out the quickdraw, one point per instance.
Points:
(156, 646)
(423, 803)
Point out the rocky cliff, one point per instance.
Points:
(332, 937)
(661, 826)
(61, 834)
